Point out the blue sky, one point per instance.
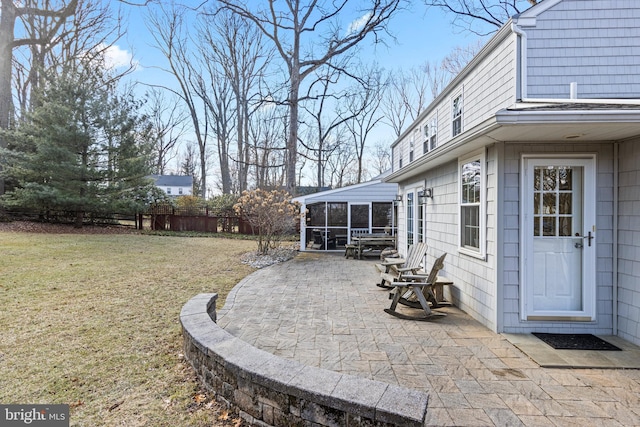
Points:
(421, 35)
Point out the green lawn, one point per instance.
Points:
(92, 320)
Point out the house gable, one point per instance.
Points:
(593, 44)
(174, 185)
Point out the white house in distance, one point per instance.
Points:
(362, 208)
(174, 185)
(530, 159)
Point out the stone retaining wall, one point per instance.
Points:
(268, 390)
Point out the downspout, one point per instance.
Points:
(616, 170)
(521, 62)
(303, 226)
(499, 226)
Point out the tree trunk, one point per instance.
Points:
(292, 140)
(7, 24)
(242, 167)
(203, 173)
(225, 172)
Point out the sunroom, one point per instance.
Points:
(331, 218)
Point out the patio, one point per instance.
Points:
(325, 311)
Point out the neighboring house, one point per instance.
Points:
(361, 208)
(174, 185)
(531, 159)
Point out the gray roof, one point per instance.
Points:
(173, 180)
(577, 106)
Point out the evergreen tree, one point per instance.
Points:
(81, 151)
(189, 167)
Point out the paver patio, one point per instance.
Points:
(325, 311)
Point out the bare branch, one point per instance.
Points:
(476, 15)
(295, 28)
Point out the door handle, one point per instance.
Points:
(588, 237)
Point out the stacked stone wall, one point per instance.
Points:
(267, 390)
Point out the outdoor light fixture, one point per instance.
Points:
(424, 194)
(398, 197)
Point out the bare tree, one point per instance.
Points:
(8, 42)
(168, 125)
(381, 157)
(328, 110)
(214, 90)
(307, 35)
(87, 34)
(481, 17)
(365, 106)
(340, 165)
(459, 57)
(407, 96)
(437, 76)
(237, 46)
(267, 131)
(167, 28)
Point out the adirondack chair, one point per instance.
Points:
(392, 270)
(419, 286)
(409, 298)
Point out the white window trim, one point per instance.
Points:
(424, 131)
(481, 253)
(433, 123)
(413, 189)
(453, 118)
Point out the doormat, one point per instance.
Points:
(576, 342)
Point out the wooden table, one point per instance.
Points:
(371, 241)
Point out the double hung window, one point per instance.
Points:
(457, 116)
(425, 138)
(412, 141)
(430, 134)
(433, 133)
(472, 222)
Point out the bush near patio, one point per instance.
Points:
(91, 320)
(272, 213)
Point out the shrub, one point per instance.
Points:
(270, 213)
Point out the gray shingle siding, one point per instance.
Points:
(593, 43)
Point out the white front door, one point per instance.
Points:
(558, 237)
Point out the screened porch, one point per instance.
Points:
(331, 225)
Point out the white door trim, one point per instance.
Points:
(588, 311)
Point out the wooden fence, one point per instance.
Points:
(160, 217)
(163, 217)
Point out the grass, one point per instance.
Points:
(92, 321)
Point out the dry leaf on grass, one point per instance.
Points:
(224, 415)
(199, 398)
